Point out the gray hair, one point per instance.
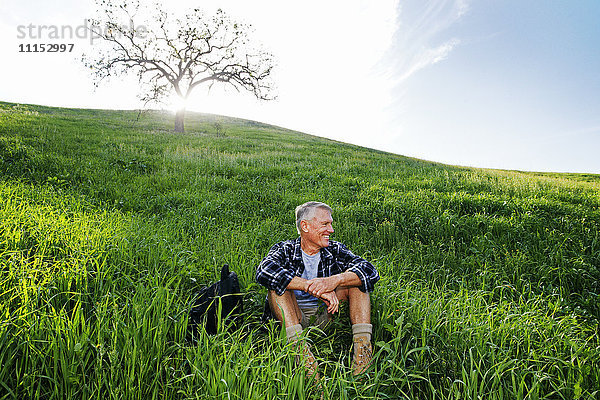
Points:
(306, 212)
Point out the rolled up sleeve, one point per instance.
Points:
(365, 271)
(274, 271)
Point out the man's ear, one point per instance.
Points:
(304, 225)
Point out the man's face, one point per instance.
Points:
(317, 230)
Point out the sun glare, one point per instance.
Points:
(178, 103)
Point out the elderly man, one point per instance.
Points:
(309, 276)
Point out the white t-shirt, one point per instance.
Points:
(311, 266)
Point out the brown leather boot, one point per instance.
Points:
(306, 357)
(363, 354)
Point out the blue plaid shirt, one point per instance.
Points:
(284, 261)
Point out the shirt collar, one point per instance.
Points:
(297, 256)
(325, 253)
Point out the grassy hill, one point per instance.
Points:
(109, 223)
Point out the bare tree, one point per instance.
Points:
(170, 54)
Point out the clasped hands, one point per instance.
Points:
(324, 288)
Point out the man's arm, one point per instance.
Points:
(298, 283)
(318, 286)
(329, 297)
(274, 271)
(364, 270)
(357, 272)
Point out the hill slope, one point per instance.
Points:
(109, 222)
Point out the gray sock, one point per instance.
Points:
(362, 330)
(293, 332)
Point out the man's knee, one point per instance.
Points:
(279, 301)
(352, 294)
(284, 306)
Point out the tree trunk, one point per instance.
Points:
(179, 115)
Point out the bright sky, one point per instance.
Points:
(505, 84)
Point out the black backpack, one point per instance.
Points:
(205, 308)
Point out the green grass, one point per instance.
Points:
(109, 223)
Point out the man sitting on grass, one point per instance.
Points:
(304, 273)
